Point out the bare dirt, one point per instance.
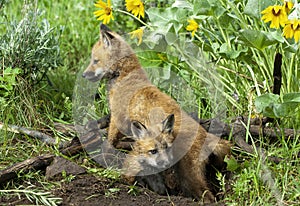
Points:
(88, 190)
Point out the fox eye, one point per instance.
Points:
(153, 151)
(95, 61)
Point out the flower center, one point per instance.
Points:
(276, 13)
(107, 10)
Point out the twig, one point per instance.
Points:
(33, 133)
(255, 129)
(35, 163)
(41, 162)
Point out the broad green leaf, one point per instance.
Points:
(293, 48)
(265, 101)
(275, 35)
(161, 17)
(268, 111)
(177, 26)
(232, 164)
(292, 97)
(180, 15)
(154, 40)
(257, 39)
(171, 38)
(182, 4)
(165, 19)
(230, 53)
(285, 109)
(202, 7)
(218, 11)
(150, 59)
(208, 8)
(268, 105)
(253, 8)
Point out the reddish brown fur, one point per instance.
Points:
(142, 161)
(133, 97)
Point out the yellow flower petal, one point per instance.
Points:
(105, 12)
(292, 29)
(297, 35)
(288, 31)
(276, 15)
(100, 4)
(136, 7)
(288, 5)
(193, 26)
(137, 34)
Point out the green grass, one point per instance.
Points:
(259, 181)
(255, 182)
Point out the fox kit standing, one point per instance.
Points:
(133, 97)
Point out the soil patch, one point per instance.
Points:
(88, 190)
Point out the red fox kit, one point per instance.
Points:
(150, 153)
(133, 97)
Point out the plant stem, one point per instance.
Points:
(129, 14)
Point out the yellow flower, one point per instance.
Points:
(105, 12)
(288, 5)
(137, 34)
(292, 29)
(276, 15)
(193, 26)
(136, 7)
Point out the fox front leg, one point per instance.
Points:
(130, 169)
(155, 182)
(114, 134)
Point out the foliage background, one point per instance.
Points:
(232, 53)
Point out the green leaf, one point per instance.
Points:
(258, 39)
(269, 105)
(264, 101)
(269, 111)
(253, 8)
(230, 53)
(202, 7)
(275, 35)
(150, 59)
(232, 164)
(292, 97)
(182, 4)
(285, 109)
(160, 17)
(171, 38)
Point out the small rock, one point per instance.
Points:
(60, 165)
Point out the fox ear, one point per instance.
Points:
(168, 124)
(105, 35)
(138, 130)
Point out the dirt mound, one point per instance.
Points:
(89, 190)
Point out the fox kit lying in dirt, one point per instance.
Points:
(150, 153)
(133, 97)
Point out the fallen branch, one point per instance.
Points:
(41, 162)
(256, 128)
(48, 140)
(35, 163)
(94, 135)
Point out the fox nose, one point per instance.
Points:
(163, 164)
